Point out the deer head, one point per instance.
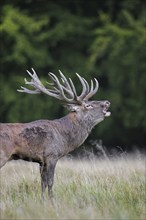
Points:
(65, 91)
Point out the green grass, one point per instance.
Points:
(97, 189)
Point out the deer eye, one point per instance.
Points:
(88, 106)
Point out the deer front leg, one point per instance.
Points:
(47, 178)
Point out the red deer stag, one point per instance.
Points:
(46, 141)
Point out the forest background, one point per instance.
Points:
(102, 39)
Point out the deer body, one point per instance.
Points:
(45, 141)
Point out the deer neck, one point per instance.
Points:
(75, 129)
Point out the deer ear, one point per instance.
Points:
(72, 107)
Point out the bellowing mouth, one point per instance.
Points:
(105, 108)
(106, 114)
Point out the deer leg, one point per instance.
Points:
(43, 172)
(51, 169)
(47, 178)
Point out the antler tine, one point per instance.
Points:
(34, 77)
(84, 87)
(60, 88)
(66, 86)
(73, 88)
(64, 80)
(28, 91)
(87, 85)
(36, 83)
(92, 91)
(56, 81)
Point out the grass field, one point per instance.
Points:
(96, 189)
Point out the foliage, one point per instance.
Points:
(118, 54)
(102, 39)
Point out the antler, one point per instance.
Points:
(65, 91)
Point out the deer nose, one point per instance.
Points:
(105, 104)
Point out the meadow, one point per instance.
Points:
(83, 189)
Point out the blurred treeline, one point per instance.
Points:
(102, 39)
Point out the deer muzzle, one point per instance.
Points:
(106, 105)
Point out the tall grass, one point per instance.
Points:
(93, 189)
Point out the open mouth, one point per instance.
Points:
(105, 109)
